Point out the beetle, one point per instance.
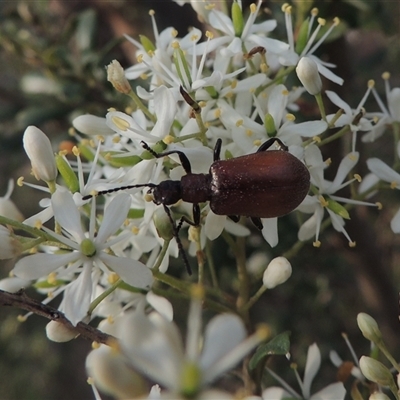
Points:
(264, 184)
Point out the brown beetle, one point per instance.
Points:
(265, 184)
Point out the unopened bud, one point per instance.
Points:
(9, 246)
(277, 272)
(378, 396)
(163, 224)
(38, 148)
(307, 72)
(60, 333)
(376, 372)
(110, 373)
(369, 328)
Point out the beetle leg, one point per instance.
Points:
(266, 145)
(257, 222)
(182, 156)
(234, 218)
(196, 218)
(178, 240)
(217, 150)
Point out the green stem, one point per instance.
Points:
(335, 136)
(161, 256)
(318, 98)
(211, 265)
(141, 106)
(101, 297)
(253, 299)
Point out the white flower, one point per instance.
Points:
(88, 257)
(333, 391)
(387, 174)
(38, 148)
(389, 114)
(153, 346)
(252, 34)
(291, 57)
(326, 199)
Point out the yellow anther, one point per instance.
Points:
(249, 132)
(234, 84)
(112, 278)
(116, 139)
(217, 112)
(239, 122)
(168, 139)
(322, 201)
(135, 230)
(151, 12)
(314, 12)
(121, 123)
(290, 117)
(20, 181)
(352, 244)
(336, 21)
(386, 75)
(75, 151)
(257, 142)
(317, 243)
(357, 177)
(175, 44)
(174, 33)
(371, 84)
(379, 205)
(328, 161)
(253, 8)
(209, 35)
(322, 21)
(139, 58)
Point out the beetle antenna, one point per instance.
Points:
(178, 240)
(103, 192)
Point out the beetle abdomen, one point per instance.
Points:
(265, 184)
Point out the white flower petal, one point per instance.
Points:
(312, 366)
(346, 165)
(165, 109)
(334, 391)
(223, 333)
(67, 214)
(148, 345)
(91, 125)
(395, 222)
(77, 296)
(214, 225)
(161, 305)
(305, 129)
(383, 171)
(270, 230)
(114, 216)
(132, 272)
(40, 265)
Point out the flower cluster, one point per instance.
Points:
(228, 89)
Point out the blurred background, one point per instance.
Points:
(52, 57)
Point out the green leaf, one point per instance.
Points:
(279, 345)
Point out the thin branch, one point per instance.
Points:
(24, 302)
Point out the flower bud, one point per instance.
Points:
(376, 372)
(38, 148)
(59, 333)
(13, 284)
(277, 272)
(110, 373)
(307, 72)
(163, 224)
(67, 173)
(237, 19)
(369, 328)
(116, 75)
(378, 396)
(9, 246)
